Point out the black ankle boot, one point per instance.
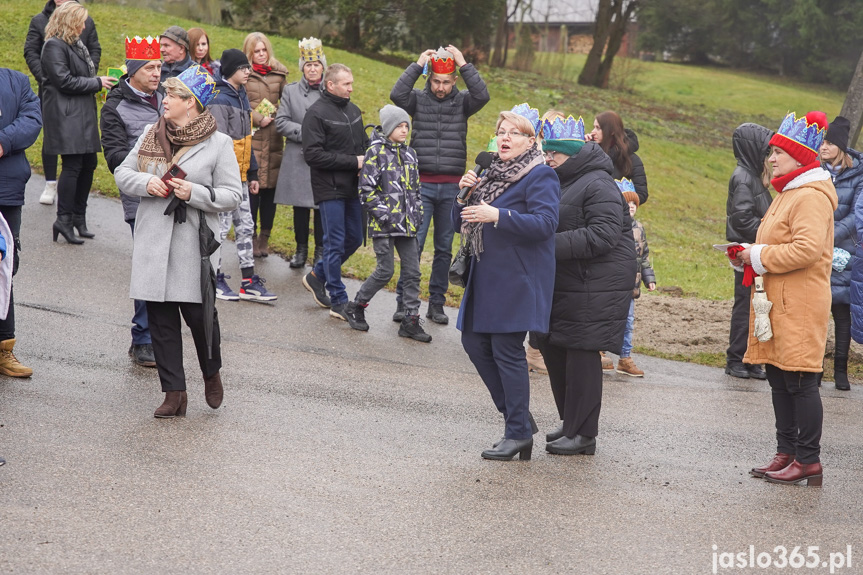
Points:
(80, 223)
(319, 254)
(300, 256)
(840, 373)
(508, 448)
(63, 226)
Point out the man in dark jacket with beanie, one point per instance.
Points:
(334, 145)
(33, 55)
(20, 124)
(132, 104)
(748, 201)
(440, 115)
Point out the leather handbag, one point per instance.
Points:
(460, 267)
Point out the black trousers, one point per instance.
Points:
(738, 339)
(168, 341)
(49, 165)
(576, 383)
(798, 411)
(73, 187)
(12, 215)
(842, 321)
(302, 217)
(264, 202)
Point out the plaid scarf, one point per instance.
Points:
(495, 181)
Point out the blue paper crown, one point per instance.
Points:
(625, 185)
(560, 129)
(199, 83)
(798, 130)
(532, 114)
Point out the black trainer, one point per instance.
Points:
(339, 311)
(400, 312)
(143, 354)
(436, 314)
(737, 371)
(316, 286)
(357, 316)
(411, 327)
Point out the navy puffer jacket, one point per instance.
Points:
(20, 124)
(848, 184)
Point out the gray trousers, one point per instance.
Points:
(409, 278)
(244, 227)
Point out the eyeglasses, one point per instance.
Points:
(512, 134)
(245, 67)
(548, 154)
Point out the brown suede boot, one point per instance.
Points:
(607, 364)
(256, 246)
(626, 366)
(264, 243)
(173, 406)
(213, 390)
(535, 361)
(9, 364)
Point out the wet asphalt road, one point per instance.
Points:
(345, 452)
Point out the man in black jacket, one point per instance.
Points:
(748, 201)
(174, 43)
(334, 144)
(132, 104)
(33, 55)
(440, 114)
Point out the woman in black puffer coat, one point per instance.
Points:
(69, 115)
(595, 254)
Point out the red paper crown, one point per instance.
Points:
(143, 49)
(443, 65)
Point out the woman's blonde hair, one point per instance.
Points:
(195, 34)
(524, 125)
(176, 88)
(249, 47)
(766, 172)
(843, 159)
(66, 22)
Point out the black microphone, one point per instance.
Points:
(483, 161)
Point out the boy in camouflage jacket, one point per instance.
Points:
(643, 274)
(390, 194)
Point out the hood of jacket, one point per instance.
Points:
(590, 158)
(49, 8)
(751, 143)
(631, 140)
(855, 171)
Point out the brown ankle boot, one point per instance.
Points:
(607, 364)
(213, 390)
(256, 249)
(626, 366)
(9, 364)
(264, 243)
(535, 361)
(173, 406)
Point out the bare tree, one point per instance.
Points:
(501, 38)
(612, 18)
(852, 108)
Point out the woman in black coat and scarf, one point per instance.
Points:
(71, 128)
(595, 255)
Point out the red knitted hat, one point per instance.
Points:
(801, 138)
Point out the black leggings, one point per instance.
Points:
(263, 201)
(301, 226)
(842, 319)
(798, 411)
(74, 184)
(49, 165)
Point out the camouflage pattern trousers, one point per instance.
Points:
(244, 227)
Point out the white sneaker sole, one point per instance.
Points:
(227, 297)
(252, 297)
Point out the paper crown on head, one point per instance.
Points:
(625, 185)
(532, 114)
(199, 83)
(563, 129)
(139, 48)
(801, 137)
(311, 50)
(443, 62)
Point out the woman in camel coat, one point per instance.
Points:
(793, 252)
(267, 80)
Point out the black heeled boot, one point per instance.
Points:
(319, 255)
(63, 226)
(578, 445)
(507, 449)
(300, 256)
(80, 224)
(533, 429)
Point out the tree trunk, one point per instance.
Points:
(612, 17)
(499, 58)
(615, 40)
(352, 36)
(852, 108)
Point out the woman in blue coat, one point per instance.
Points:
(508, 223)
(844, 165)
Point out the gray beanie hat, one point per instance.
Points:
(178, 35)
(391, 117)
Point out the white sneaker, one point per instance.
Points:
(49, 193)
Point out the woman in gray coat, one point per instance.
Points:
(69, 115)
(294, 187)
(166, 260)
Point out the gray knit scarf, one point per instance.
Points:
(82, 51)
(495, 181)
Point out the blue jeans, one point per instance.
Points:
(343, 234)
(140, 321)
(437, 205)
(626, 350)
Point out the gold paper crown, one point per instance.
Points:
(311, 50)
(140, 49)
